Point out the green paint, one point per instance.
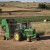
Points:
(30, 32)
(5, 24)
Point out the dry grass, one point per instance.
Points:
(11, 6)
(28, 5)
(39, 26)
(24, 14)
(24, 45)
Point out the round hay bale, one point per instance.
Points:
(45, 20)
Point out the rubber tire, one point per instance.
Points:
(29, 39)
(17, 36)
(5, 38)
(37, 37)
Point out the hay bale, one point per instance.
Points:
(45, 20)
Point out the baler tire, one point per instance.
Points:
(17, 36)
(37, 37)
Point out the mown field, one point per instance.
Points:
(37, 22)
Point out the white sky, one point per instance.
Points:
(28, 0)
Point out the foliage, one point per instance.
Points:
(42, 6)
(31, 19)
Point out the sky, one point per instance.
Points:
(28, 0)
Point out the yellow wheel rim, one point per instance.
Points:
(16, 36)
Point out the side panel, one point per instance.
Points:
(30, 32)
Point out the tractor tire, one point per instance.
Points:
(5, 38)
(29, 39)
(17, 36)
(37, 37)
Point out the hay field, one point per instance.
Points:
(34, 17)
(26, 5)
(14, 6)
